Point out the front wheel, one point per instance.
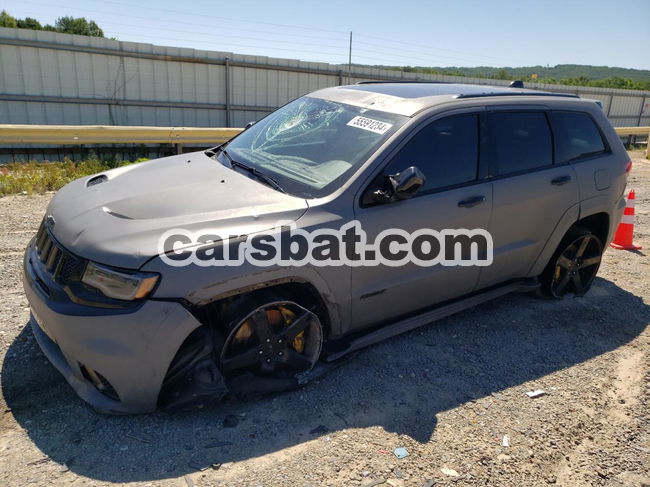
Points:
(269, 343)
(574, 265)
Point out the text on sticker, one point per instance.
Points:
(369, 124)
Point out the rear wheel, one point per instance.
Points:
(574, 265)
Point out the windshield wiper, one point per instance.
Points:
(252, 170)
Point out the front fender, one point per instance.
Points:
(201, 285)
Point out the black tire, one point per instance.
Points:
(270, 340)
(573, 266)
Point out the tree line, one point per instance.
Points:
(504, 74)
(65, 25)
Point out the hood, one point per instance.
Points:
(119, 220)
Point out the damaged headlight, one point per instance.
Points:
(126, 286)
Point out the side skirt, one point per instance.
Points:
(430, 316)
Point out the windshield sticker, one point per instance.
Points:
(369, 124)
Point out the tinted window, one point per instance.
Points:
(446, 151)
(523, 141)
(576, 135)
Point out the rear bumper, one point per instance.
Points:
(613, 224)
(132, 350)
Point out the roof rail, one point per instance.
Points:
(525, 93)
(376, 82)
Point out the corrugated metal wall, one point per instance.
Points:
(51, 78)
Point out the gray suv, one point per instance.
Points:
(543, 173)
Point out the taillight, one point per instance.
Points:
(628, 166)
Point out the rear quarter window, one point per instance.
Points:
(576, 136)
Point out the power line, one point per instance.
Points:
(410, 57)
(193, 24)
(282, 41)
(212, 43)
(389, 58)
(412, 53)
(246, 21)
(226, 41)
(427, 46)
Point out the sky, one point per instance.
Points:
(402, 32)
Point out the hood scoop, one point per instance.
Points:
(121, 221)
(96, 180)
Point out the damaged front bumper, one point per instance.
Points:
(157, 354)
(115, 360)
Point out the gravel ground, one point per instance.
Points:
(448, 393)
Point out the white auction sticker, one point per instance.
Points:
(369, 124)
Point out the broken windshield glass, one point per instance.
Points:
(310, 146)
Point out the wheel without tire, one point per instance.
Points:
(274, 339)
(574, 265)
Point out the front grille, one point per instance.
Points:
(60, 264)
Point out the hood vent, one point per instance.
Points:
(118, 215)
(96, 180)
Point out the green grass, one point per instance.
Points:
(39, 177)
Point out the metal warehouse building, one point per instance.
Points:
(52, 78)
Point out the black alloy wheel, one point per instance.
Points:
(274, 339)
(575, 265)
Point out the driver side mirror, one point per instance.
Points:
(401, 186)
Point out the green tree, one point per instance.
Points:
(79, 26)
(66, 25)
(7, 20)
(29, 23)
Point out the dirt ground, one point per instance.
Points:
(448, 393)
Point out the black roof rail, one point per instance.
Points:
(376, 82)
(526, 93)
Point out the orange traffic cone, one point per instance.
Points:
(624, 237)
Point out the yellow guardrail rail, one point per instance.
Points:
(112, 134)
(636, 131)
(632, 130)
(115, 134)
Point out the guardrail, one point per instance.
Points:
(113, 134)
(636, 131)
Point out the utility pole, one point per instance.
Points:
(350, 61)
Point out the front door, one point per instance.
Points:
(454, 196)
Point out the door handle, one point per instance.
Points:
(470, 202)
(561, 180)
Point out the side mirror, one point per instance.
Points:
(249, 125)
(407, 183)
(401, 186)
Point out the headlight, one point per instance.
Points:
(119, 285)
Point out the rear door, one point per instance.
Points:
(530, 192)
